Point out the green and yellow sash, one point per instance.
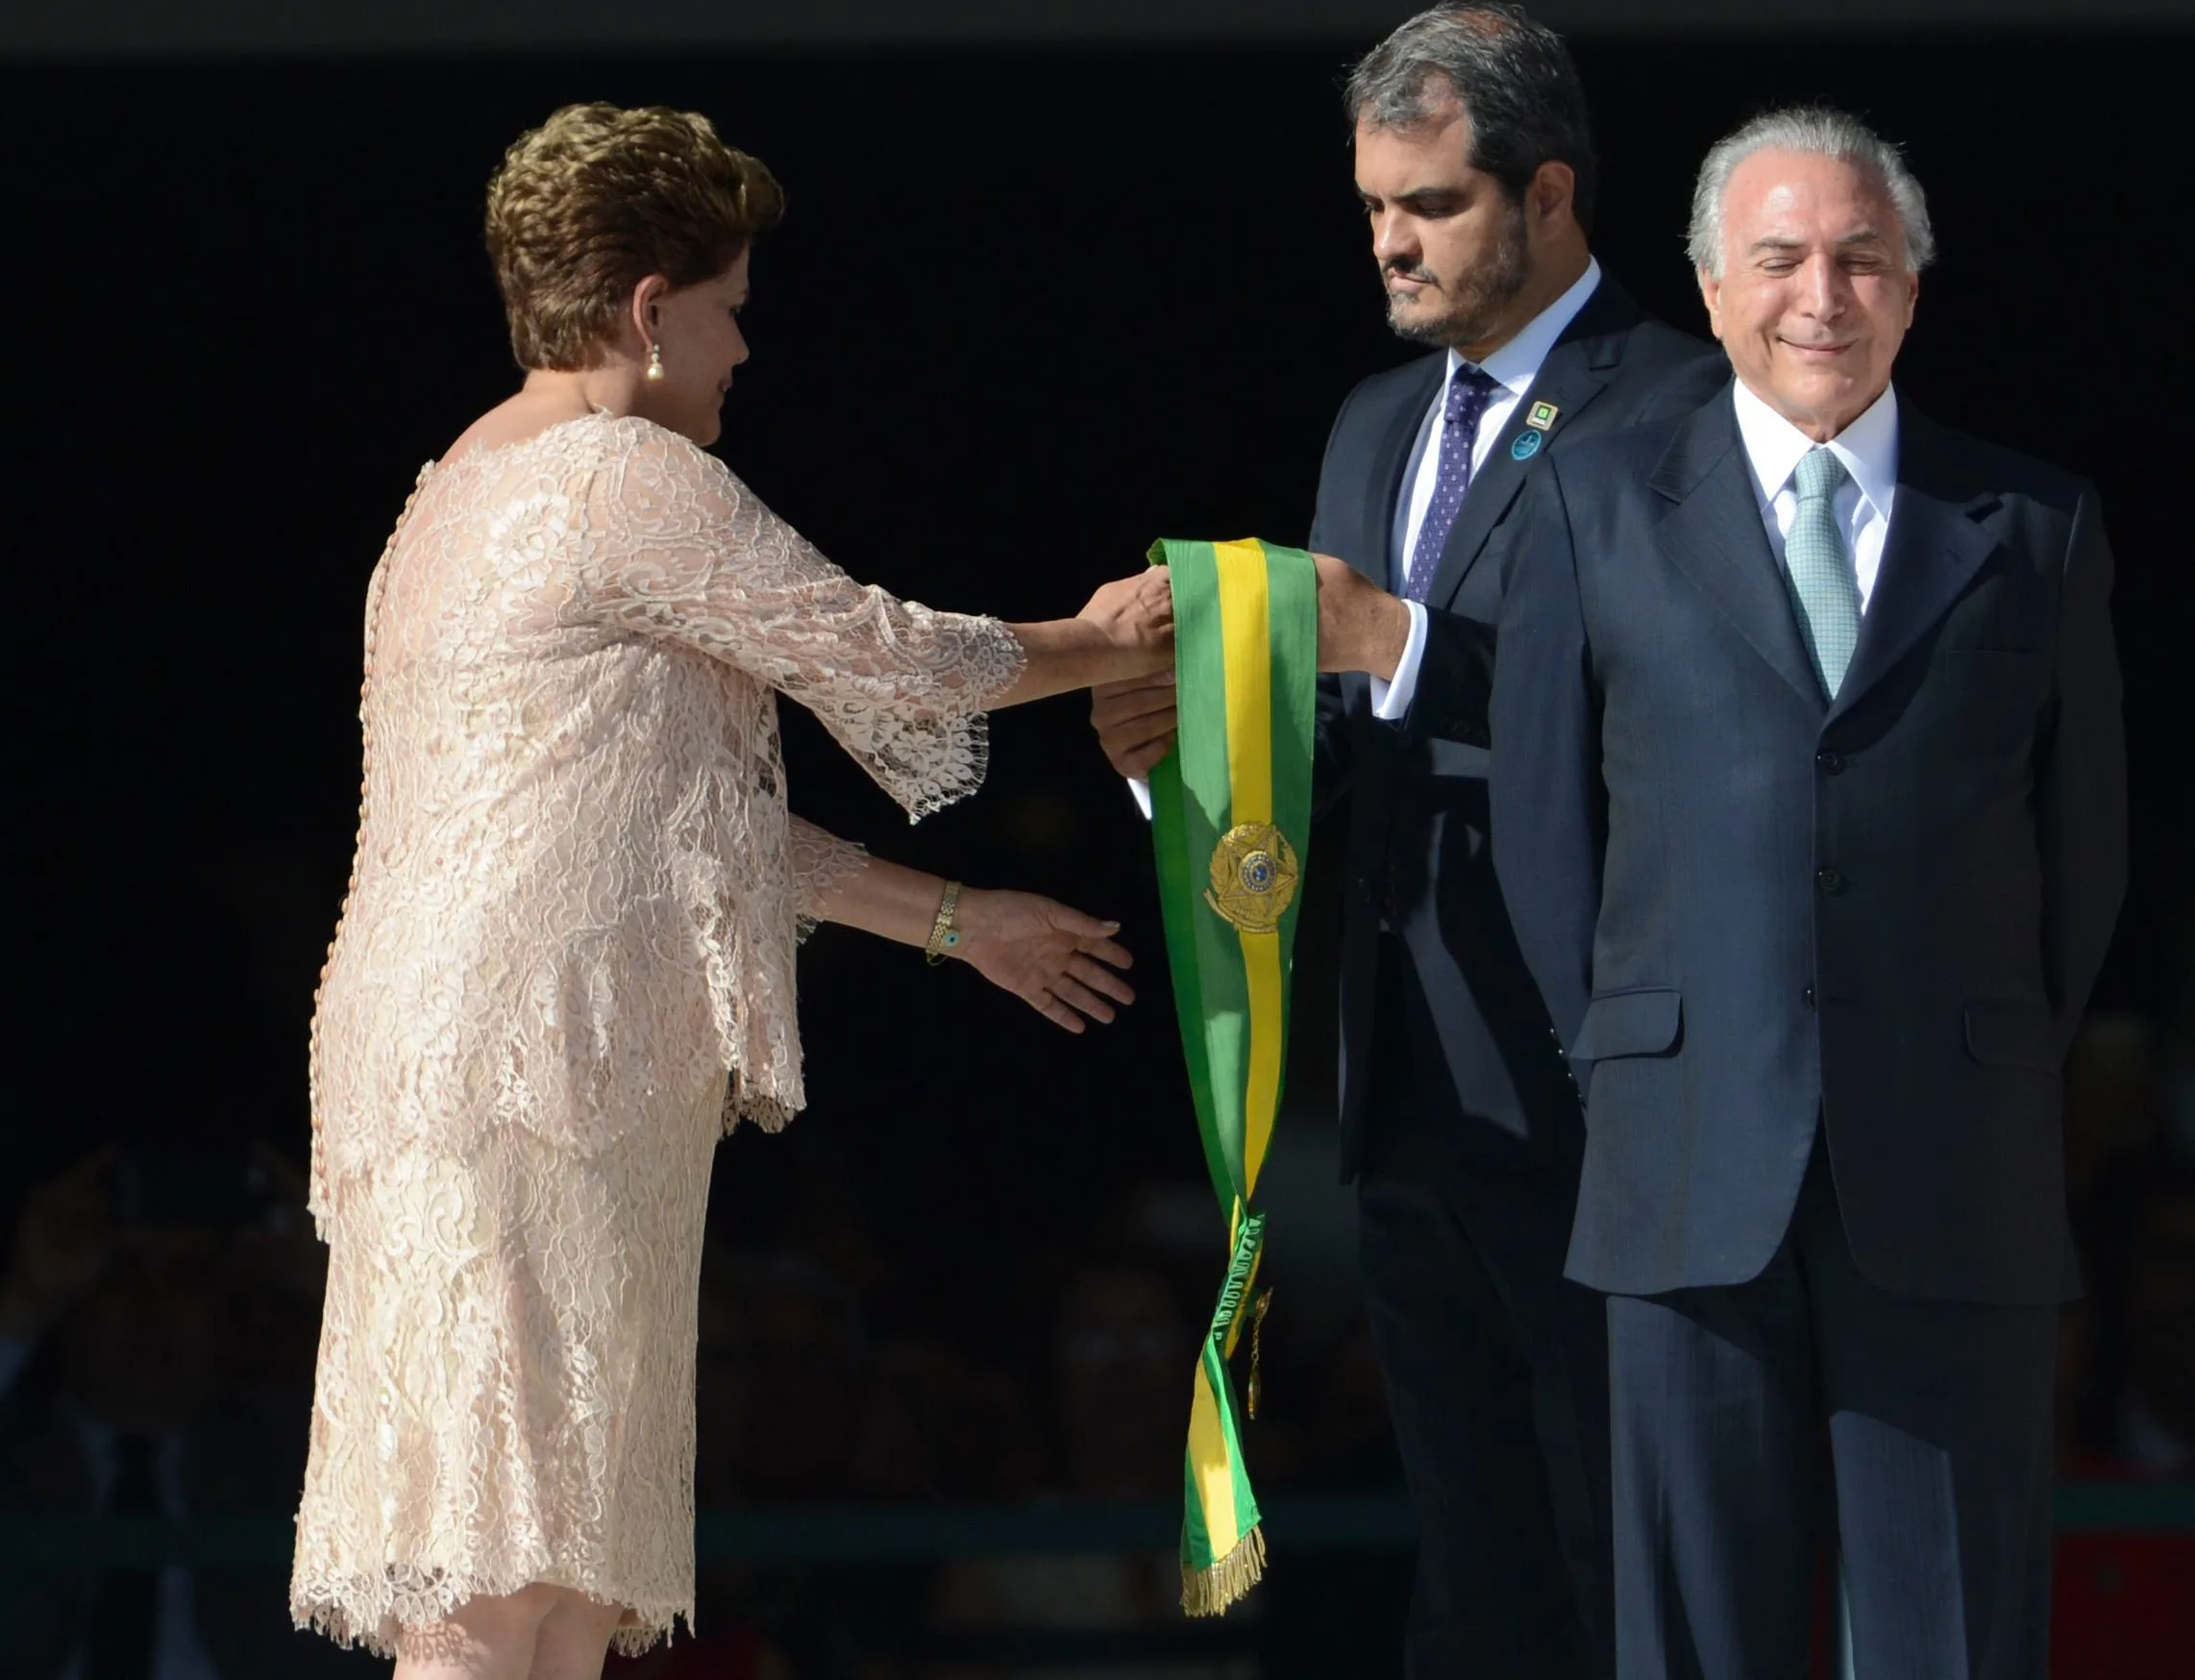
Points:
(1230, 814)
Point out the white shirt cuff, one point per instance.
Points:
(1142, 790)
(1392, 698)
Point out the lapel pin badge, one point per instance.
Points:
(1527, 444)
(1542, 417)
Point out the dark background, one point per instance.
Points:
(1031, 307)
(1028, 313)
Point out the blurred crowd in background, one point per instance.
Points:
(160, 1310)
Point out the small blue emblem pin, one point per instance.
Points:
(1527, 444)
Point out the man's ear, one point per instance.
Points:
(1711, 295)
(1552, 192)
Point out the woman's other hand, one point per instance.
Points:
(1055, 959)
(1137, 616)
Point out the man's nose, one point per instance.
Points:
(1394, 239)
(1824, 288)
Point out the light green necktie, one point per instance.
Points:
(1817, 563)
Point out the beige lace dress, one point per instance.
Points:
(564, 967)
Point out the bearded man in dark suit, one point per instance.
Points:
(1811, 812)
(1460, 1124)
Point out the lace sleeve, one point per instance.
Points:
(822, 863)
(682, 550)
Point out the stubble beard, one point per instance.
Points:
(1478, 299)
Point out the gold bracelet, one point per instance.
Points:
(945, 937)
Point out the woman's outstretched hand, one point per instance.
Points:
(1137, 616)
(1055, 959)
(1125, 633)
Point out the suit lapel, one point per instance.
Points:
(1372, 552)
(1566, 380)
(1713, 535)
(1576, 371)
(1934, 546)
(1376, 543)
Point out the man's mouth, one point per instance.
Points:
(1825, 352)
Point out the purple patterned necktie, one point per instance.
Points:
(1468, 394)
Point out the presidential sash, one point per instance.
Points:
(1230, 816)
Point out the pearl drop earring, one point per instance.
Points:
(655, 362)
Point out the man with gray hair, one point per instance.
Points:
(1811, 812)
(1474, 161)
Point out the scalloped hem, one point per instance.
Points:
(771, 1112)
(372, 1622)
(755, 1108)
(376, 1619)
(964, 775)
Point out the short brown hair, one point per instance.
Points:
(597, 198)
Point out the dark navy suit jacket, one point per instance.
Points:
(1417, 856)
(1753, 912)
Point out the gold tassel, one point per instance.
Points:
(1209, 1591)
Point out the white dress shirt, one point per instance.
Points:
(1513, 368)
(1868, 449)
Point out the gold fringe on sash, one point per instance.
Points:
(1209, 1591)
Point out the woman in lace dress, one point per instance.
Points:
(571, 926)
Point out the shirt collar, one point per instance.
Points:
(1867, 448)
(1517, 363)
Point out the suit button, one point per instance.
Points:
(1830, 763)
(1829, 881)
(1808, 997)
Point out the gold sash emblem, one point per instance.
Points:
(1254, 874)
